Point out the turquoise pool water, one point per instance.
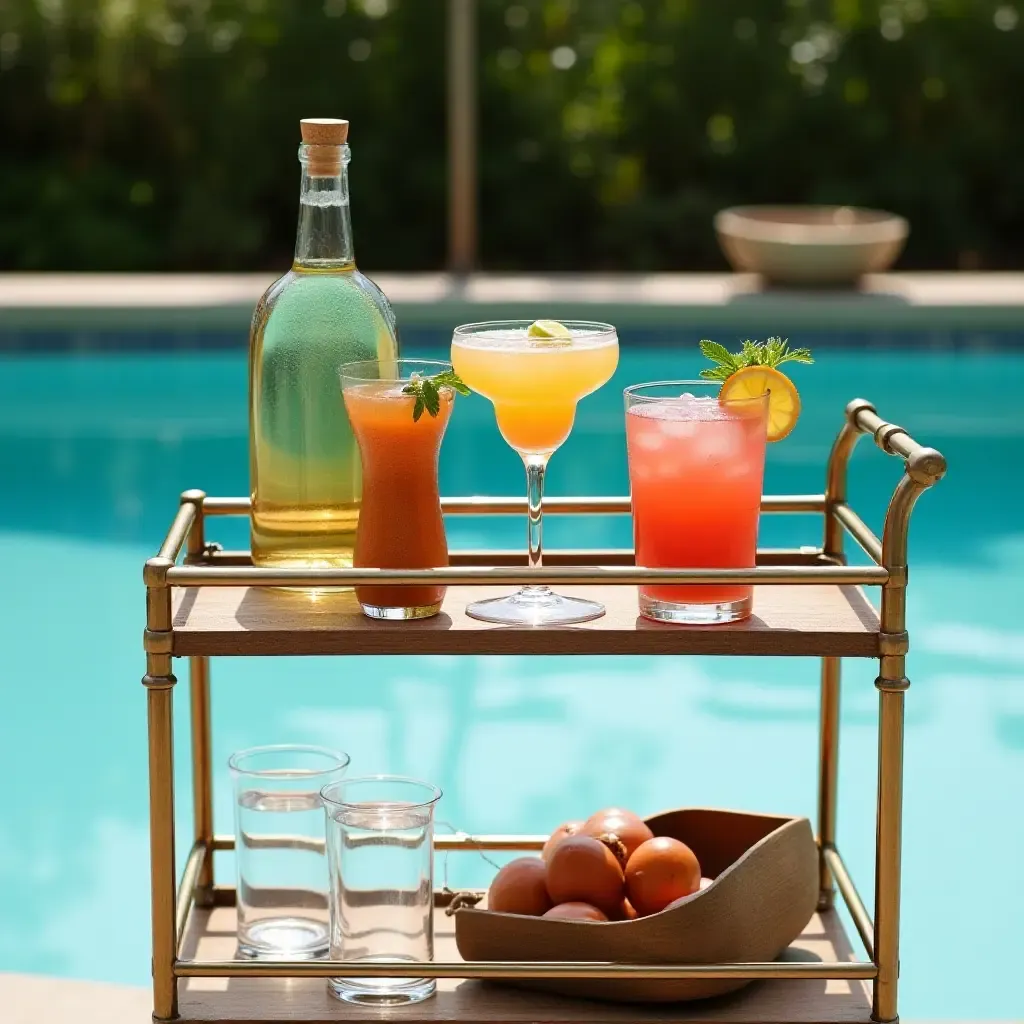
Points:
(94, 450)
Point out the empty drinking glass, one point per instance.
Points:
(280, 851)
(380, 845)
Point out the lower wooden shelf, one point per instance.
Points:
(211, 936)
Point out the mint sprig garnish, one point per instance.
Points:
(428, 391)
(773, 352)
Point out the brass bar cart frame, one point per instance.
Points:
(205, 565)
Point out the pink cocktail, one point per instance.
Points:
(696, 468)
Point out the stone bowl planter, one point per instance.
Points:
(809, 246)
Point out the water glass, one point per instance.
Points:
(696, 468)
(380, 846)
(280, 851)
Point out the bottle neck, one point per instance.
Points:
(323, 241)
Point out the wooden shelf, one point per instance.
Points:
(211, 936)
(787, 620)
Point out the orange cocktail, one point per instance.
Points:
(534, 383)
(535, 374)
(696, 468)
(400, 524)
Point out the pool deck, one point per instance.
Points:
(935, 301)
(35, 999)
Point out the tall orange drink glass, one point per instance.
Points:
(400, 523)
(696, 469)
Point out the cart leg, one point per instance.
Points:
(828, 775)
(887, 846)
(159, 682)
(199, 692)
(161, 843)
(202, 783)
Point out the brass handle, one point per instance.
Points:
(925, 466)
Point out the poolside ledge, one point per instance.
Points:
(929, 301)
(35, 999)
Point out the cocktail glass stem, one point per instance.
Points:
(535, 467)
(535, 604)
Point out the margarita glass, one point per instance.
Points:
(534, 383)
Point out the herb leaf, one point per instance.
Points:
(773, 352)
(716, 373)
(428, 392)
(717, 354)
(431, 397)
(450, 379)
(797, 355)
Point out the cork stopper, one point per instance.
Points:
(323, 136)
(324, 131)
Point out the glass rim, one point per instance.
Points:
(441, 364)
(632, 392)
(589, 328)
(339, 757)
(364, 804)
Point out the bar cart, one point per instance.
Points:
(809, 603)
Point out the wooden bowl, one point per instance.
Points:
(764, 891)
(810, 245)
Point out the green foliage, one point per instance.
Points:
(773, 352)
(162, 134)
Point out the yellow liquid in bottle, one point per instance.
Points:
(304, 461)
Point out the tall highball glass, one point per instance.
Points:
(280, 859)
(380, 845)
(696, 467)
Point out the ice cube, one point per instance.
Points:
(680, 429)
(649, 440)
(719, 442)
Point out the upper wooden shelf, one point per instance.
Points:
(807, 620)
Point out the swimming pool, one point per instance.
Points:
(91, 466)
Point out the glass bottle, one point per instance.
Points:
(303, 459)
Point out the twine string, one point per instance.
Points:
(459, 899)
